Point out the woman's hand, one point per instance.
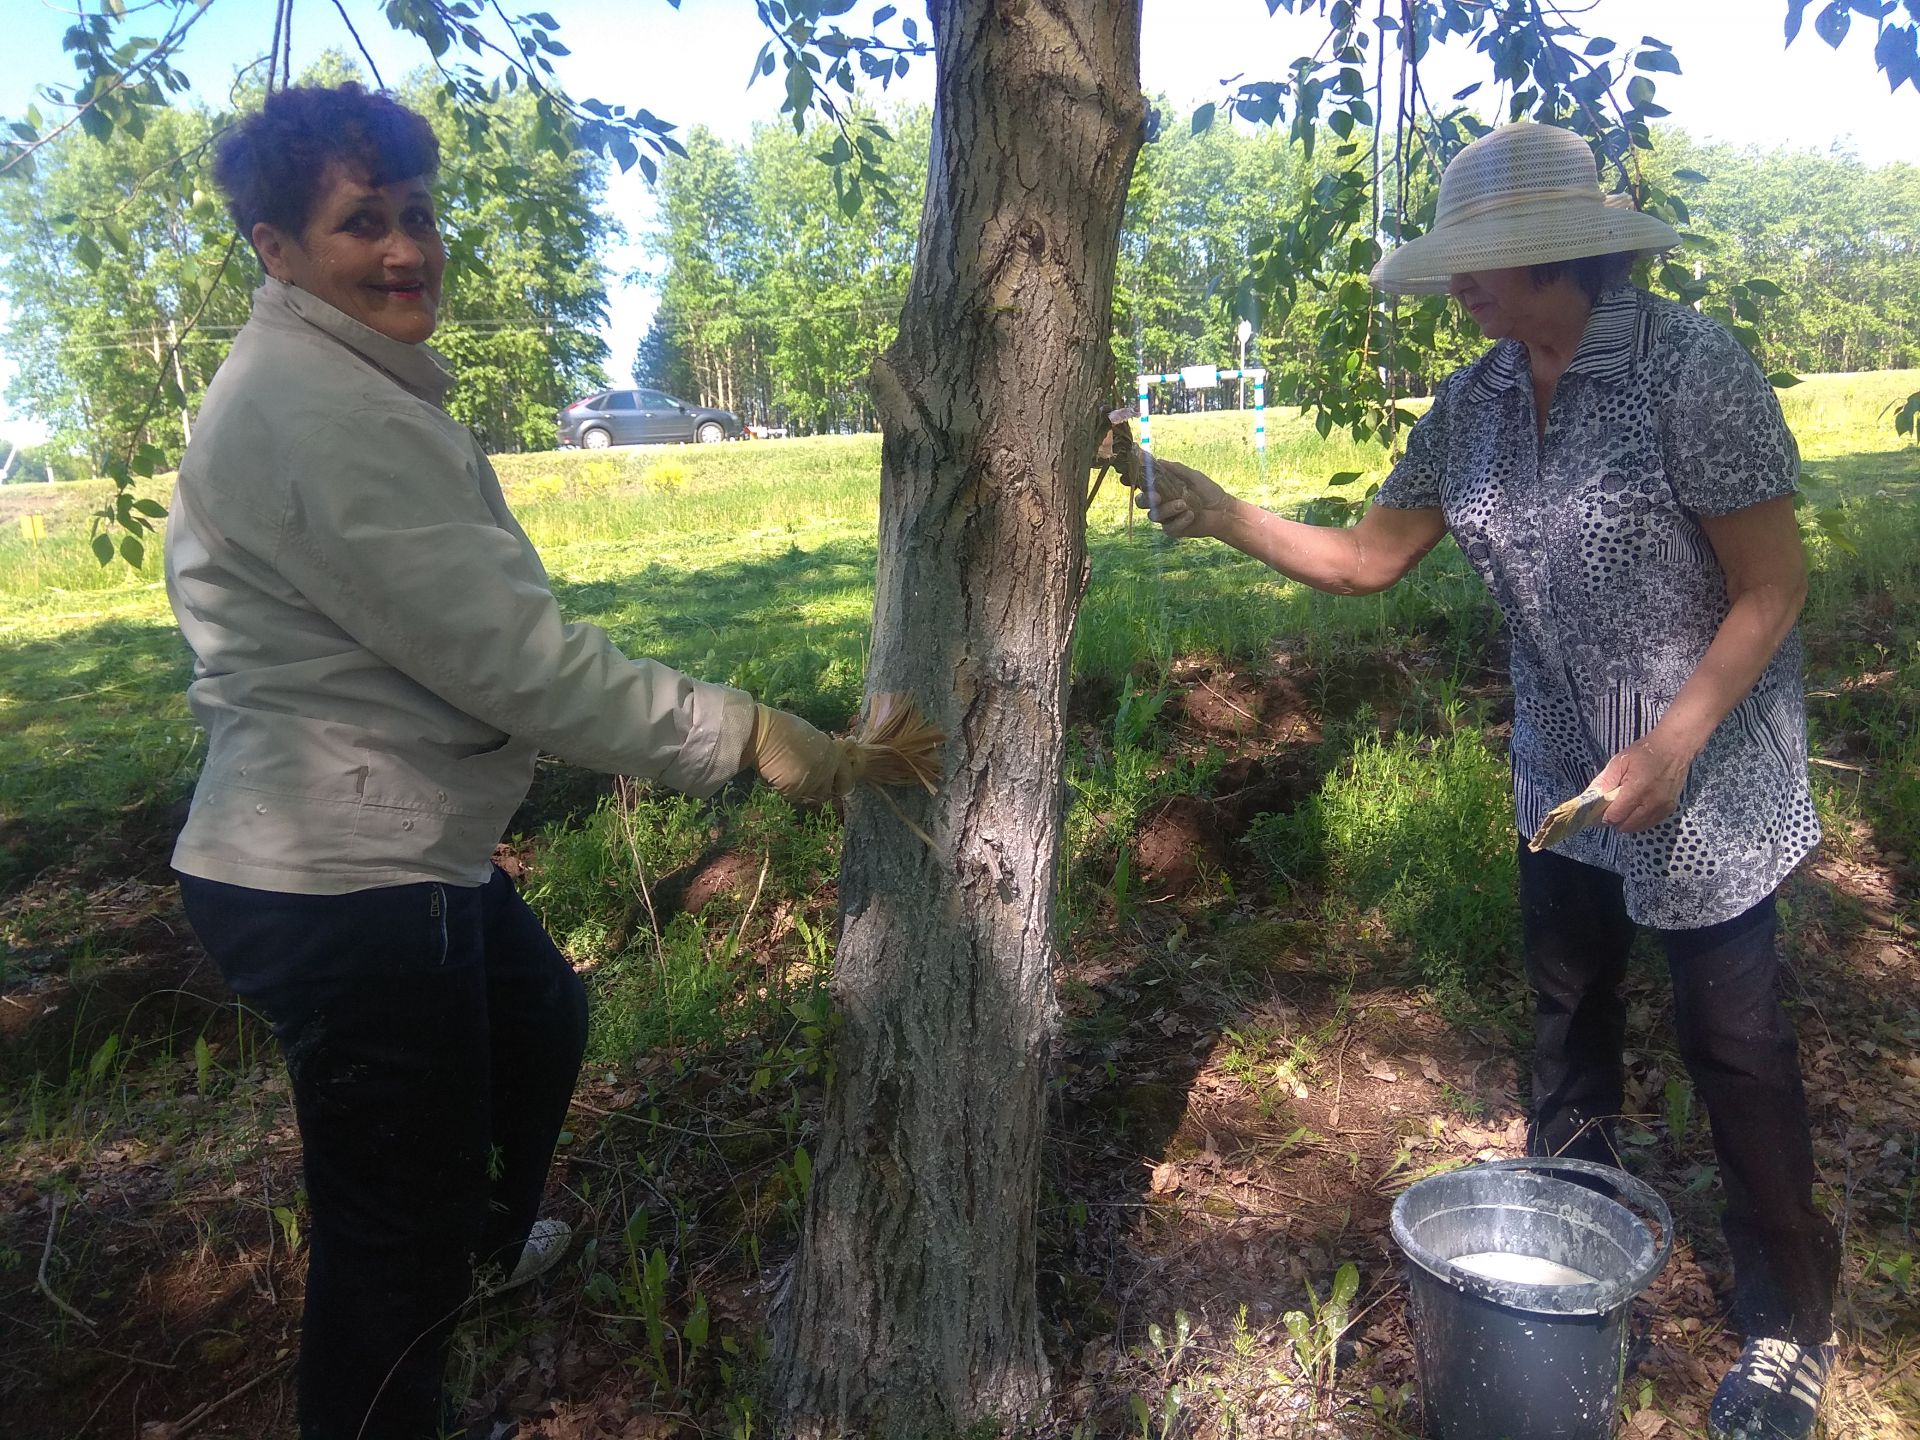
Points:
(1651, 774)
(796, 759)
(1185, 501)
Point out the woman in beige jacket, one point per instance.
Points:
(379, 659)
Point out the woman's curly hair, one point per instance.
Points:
(273, 163)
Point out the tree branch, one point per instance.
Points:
(160, 51)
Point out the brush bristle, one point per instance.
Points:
(896, 746)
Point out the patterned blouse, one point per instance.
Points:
(1589, 539)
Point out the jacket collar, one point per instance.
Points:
(417, 368)
(1609, 350)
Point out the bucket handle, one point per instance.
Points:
(1630, 1189)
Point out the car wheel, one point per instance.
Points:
(596, 439)
(710, 433)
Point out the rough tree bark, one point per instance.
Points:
(911, 1310)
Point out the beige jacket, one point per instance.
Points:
(378, 655)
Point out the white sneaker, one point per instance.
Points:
(546, 1245)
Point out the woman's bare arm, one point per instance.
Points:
(1363, 559)
(1761, 555)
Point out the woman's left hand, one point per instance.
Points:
(1651, 775)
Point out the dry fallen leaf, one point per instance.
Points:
(1166, 1178)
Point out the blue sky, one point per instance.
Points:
(690, 65)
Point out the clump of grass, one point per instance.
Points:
(1418, 833)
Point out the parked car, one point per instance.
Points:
(642, 417)
(751, 431)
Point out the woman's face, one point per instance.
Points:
(1507, 304)
(371, 251)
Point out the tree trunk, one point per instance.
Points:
(911, 1309)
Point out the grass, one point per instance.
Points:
(1411, 837)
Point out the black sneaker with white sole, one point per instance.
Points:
(1772, 1392)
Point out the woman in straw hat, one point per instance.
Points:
(1618, 472)
(378, 662)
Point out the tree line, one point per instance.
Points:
(774, 304)
(775, 294)
(115, 337)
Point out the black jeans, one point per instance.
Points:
(1739, 1048)
(432, 1034)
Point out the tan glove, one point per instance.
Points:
(797, 760)
(1184, 501)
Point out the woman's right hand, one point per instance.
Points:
(1185, 501)
(797, 760)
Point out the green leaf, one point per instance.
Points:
(132, 551)
(1833, 524)
(799, 91)
(1783, 379)
(1344, 477)
(103, 549)
(696, 1329)
(1203, 118)
(1346, 1284)
(87, 253)
(1692, 177)
(1661, 60)
(103, 1057)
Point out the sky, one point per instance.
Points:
(690, 64)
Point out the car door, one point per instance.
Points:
(666, 419)
(622, 417)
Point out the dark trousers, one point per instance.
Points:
(432, 1034)
(1739, 1048)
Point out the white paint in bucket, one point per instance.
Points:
(1521, 1269)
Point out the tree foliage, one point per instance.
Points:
(1840, 239)
(524, 303)
(773, 300)
(94, 324)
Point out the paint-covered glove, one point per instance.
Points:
(1184, 501)
(797, 760)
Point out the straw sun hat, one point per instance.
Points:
(1525, 194)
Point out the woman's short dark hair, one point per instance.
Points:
(1594, 274)
(272, 164)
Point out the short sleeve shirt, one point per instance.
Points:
(1589, 538)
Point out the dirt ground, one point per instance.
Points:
(1240, 1094)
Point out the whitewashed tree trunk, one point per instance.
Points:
(911, 1310)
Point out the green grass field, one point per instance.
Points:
(752, 564)
(1365, 910)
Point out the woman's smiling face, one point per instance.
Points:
(371, 251)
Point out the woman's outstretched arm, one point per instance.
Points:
(1360, 560)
